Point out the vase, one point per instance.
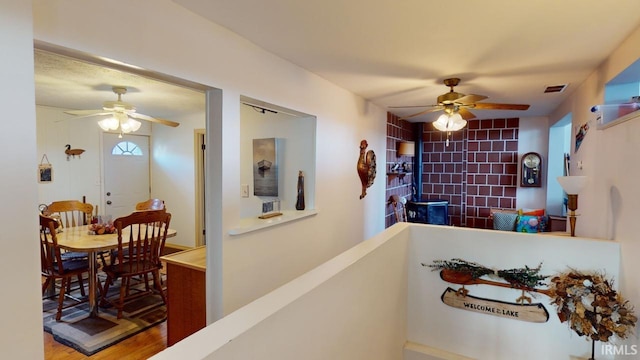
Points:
(300, 201)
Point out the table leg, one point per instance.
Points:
(93, 289)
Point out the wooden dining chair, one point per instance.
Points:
(71, 212)
(151, 204)
(399, 210)
(53, 266)
(141, 236)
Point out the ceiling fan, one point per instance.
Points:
(122, 114)
(457, 103)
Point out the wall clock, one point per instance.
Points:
(531, 170)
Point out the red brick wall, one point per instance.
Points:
(477, 171)
(397, 130)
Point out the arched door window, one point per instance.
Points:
(126, 148)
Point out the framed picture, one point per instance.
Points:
(265, 167)
(45, 170)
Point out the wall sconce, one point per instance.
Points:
(406, 148)
(572, 185)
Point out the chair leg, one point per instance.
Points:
(123, 291)
(103, 294)
(63, 287)
(81, 284)
(156, 281)
(46, 284)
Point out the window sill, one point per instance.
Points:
(252, 224)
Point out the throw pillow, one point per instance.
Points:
(535, 212)
(543, 223)
(527, 224)
(504, 221)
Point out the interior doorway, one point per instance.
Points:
(559, 147)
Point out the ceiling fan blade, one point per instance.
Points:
(152, 119)
(435, 108)
(470, 99)
(410, 106)
(466, 114)
(88, 112)
(493, 106)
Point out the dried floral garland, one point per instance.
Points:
(520, 277)
(591, 306)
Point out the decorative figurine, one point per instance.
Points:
(366, 167)
(300, 201)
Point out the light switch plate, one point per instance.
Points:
(244, 190)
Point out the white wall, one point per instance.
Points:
(21, 330)
(365, 302)
(481, 336)
(76, 177)
(197, 50)
(608, 203)
(351, 307)
(173, 174)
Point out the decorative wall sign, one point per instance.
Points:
(45, 170)
(524, 312)
(366, 167)
(464, 273)
(585, 300)
(265, 167)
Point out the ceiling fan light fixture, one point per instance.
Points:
(130, 125)
(109, 124)
(453, 122)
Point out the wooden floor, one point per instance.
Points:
(140, 346)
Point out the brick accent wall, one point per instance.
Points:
(475, 172)
(397, 130)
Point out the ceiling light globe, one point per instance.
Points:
(448, 122)
(134, 124)
(441, 123)
(108, 124)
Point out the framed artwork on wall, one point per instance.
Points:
(45, 170)
(265, 167)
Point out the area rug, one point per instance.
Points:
(91, 335)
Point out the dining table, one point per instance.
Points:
(80, 239)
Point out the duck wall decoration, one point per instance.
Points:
(72, 152)
(366, 167)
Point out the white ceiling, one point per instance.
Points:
(398, 52)
(392, 53)
(69, 83)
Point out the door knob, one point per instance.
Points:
(108, 202)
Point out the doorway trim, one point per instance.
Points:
(199, 156)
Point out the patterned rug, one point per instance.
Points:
(90, 335)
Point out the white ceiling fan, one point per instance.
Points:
(124, 114)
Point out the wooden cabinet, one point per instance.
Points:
(186, 306)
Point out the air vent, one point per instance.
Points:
(555, 88)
